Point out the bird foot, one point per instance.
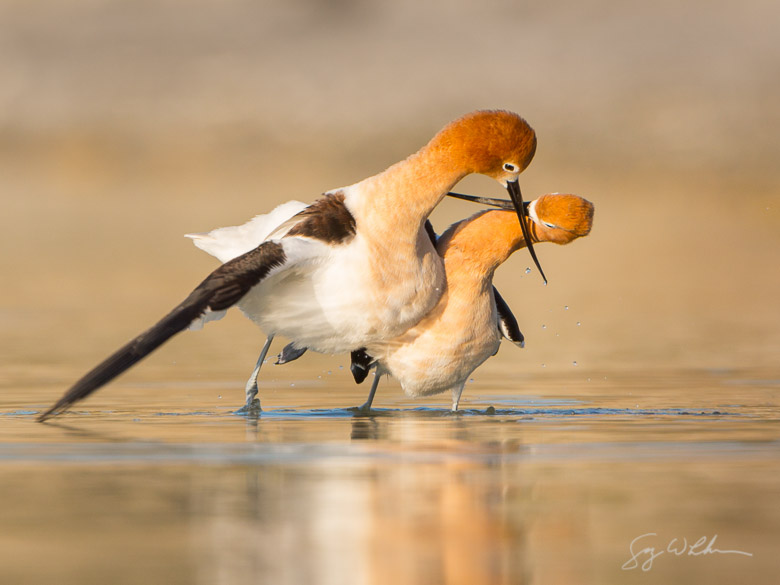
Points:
(251, 408)
(363, 408)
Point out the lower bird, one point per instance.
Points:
(464, 329)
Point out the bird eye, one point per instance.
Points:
(510, 168)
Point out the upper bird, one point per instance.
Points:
(442, 350)
(354, 267)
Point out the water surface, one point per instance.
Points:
(164, 483)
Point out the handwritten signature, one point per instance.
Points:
(644, 557)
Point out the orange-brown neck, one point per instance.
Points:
(483, 242)
(473, 248)
(402, 197)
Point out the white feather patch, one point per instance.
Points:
(226, 243)
(198, 323)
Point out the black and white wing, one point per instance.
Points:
(220, 290)
(507, 324)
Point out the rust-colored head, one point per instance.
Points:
(560, 218)
(495, 143)
(486, 239)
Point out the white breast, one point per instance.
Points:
(332, 302)
(331, 298)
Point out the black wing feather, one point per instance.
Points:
(507, 324)
(221, 289)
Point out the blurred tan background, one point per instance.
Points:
(125, 124)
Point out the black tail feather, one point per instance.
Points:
(221, 289)
(130, 354)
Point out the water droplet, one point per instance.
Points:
(565, 307)
(471, 380)
(578, 323)
(341, 367)
(292, 384)
(544, 326)
(329, 372)
(588, 379)
(219, 397)
(319, 377)
(544, 365)
(528, 270)
(574, 363)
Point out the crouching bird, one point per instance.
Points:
(464, 329)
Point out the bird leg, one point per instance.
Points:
(366, 407)
(456, 392)
(252, 402)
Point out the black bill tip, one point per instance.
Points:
(522, 214)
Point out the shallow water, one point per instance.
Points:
(164, 483)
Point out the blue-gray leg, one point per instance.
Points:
(367, 404)
(252, 402)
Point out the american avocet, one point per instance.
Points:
(354, 267)
(464, 329)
